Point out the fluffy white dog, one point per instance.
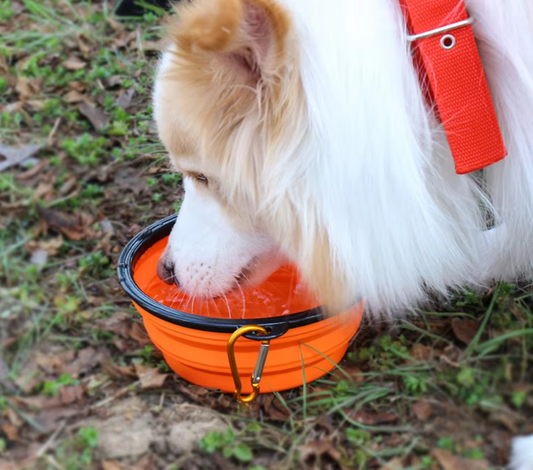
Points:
(304, 133)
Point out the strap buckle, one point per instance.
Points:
(442, 29)
(259, 365)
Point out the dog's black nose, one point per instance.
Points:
(165, 270)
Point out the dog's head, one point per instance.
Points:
(231, 111)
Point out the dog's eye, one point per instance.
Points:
(201, 178)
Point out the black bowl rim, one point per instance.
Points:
(155, 232)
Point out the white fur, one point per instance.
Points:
(209, 254)
(522, 453)
(371, 166)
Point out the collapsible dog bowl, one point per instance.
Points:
(199, 338)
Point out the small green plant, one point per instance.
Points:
(225, 442)
(446, 443)
(51, 387)
(86, 149)
(94, 264)
(78, 452)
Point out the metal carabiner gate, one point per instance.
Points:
(260, 364)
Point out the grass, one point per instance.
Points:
(403, 392)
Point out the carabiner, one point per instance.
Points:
(260, 364)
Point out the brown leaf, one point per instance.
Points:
(119, 323)
(146, 463)
(394, 464)
(83, 45)
(114, 80)
(111, 465)
(17, 155)
(73, 63)
(372, 419)
(150, 378)
(71, 394)
(275, 410)
(320, 453)
(421, 352)
(51, 246)
(115, 25)
(68, 224)
(96, 116)
(355, 374)
(124, 99)
(139, 334)
(36, 105)
(74, 96)
(54, 363)
(464, 329)
(119, 372)
(454, 462)
(78, 86)
(50, 418)
(423, 410)
(11, 432)
(33, 171)
(86, 360)
(28, 87)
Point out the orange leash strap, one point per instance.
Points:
(453, 73)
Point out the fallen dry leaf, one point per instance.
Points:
(54, 363)
(74, 96)
(124, 99)
(275, 410)
(464, 329)
(96, 116)
(114, 81)
(111, 465)
(50, 247)
(28, 87)
(394, 464)
(17, 155)
(11, 432)
(86, 360)
(423, 410)
(454, 462)
(320, 453)
(49, 419)
(78, 86)
(421, 352)
(73, 63)
(118, 372)
(119, 323)
(372, 419)
(34, 170)
(150, 378)
(70, 225)
(71, 394)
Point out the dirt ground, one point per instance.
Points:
(81, 385)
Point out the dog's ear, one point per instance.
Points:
(245, 40)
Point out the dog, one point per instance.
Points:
(304, 134)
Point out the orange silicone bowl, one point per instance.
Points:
(193, 335)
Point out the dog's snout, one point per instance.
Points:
(165, 271)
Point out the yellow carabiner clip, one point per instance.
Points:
(260, 364)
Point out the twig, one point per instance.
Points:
(51, 440)
(54, 463)
(53, 131)
(121, 392)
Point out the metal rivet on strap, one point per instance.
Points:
(447, 41)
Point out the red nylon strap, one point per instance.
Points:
(457, 83)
